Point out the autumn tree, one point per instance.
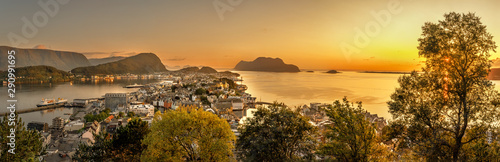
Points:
(350, 136)
(28, 143)
(124, 145)
(127, 145)
(450, 104)
(188, 133)
(276, 133)
(100, 150)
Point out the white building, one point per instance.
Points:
(148, 110)
(74, 126)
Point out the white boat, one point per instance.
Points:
(134, 86)
(61, 100)
(48, 102)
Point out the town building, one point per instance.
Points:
(80, 102)
(74, 126)
(115, 100)
(40, 126)
(58, 123)
(144, 109)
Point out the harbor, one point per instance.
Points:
(38, 108)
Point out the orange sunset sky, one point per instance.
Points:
(320, 34)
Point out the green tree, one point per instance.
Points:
(231, 83)
(28, 143)
(451, 103)
(200, 91)
(130, 114)
(350, 136)
(127, 143)
(276, 133)
(101, 150)
(188, 133)
(124, 145)
(99, 117)
(121, 114)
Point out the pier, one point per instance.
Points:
(35, 109)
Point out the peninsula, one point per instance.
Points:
(143, 63)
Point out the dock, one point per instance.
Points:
(35, 109)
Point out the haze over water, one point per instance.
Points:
(294, 89)
(28, 95)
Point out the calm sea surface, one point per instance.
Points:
(294, 89)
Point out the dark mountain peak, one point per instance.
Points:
(194, 69)
(266, 64)
(206, 69)
(143, 63)
(97, 61)
(63, 60)
(189, 69)
(269, 60)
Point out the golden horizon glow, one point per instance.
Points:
(309, 34)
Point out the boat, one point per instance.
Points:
(134, 86)
(61, 101)
(48, 102)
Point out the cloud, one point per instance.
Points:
(40, 46)
(496, 63)
(175, 59)
(126, 54)
(108, 54)
(368, 59)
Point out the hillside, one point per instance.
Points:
(143, 63)
(266, 64)
(38, 73)
(207, 69)
(195, 69)
(32, 57)
(97, 61)
(494, 74)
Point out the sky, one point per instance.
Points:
(376, 35)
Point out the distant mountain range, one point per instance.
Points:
(32, 57)
(143, 63)
(97, 61)
(494, 74)
(266, 64)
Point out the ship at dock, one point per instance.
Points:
(134, 86)
(49, 102)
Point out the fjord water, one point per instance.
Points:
(294, 89)
(28, 95)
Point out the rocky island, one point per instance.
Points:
(494, 74)
(266, 64)
(332, 72)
